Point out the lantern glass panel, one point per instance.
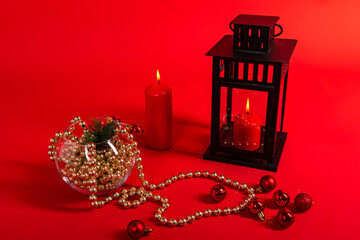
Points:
(233, 102)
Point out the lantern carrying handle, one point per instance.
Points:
(281, 30)
(232, 29)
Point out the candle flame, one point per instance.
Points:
(247, 105)
(158, 76)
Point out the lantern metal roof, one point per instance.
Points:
(281, 51)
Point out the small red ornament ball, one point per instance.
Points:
(285, 217)
(218, 192)
(256, 205)
(281, 198)
(303, 202)
(136, 229)
(136, 129)
(267, 183)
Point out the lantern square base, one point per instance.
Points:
(254, 162)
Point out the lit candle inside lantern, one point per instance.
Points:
(158, 104)
(247, 130)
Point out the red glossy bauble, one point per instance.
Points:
(285, 217)
(267, 183)
(256, 205)
(116, 118)
(136, 129)
(281, 198)
(136, 229)
(303, 202)
(218, 192)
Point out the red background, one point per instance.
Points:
(60, 59)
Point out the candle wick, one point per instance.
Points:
(247, 112)
(158, 82)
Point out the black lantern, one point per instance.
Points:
(250, 68)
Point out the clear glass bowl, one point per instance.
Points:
(94, 167)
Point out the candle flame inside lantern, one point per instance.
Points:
(158, 76)
(247, 105)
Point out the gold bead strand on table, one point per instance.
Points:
(208, 212)
(199, 214)
(189, 219)
(145, 196)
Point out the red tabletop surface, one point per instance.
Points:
(95, 58)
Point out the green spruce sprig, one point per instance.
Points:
(98, 133)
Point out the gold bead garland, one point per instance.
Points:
(91, 169)
(144, 196)
(95, 183)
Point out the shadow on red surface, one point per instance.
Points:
(44, 188)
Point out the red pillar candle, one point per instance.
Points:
(247, 130)
(158, 104)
